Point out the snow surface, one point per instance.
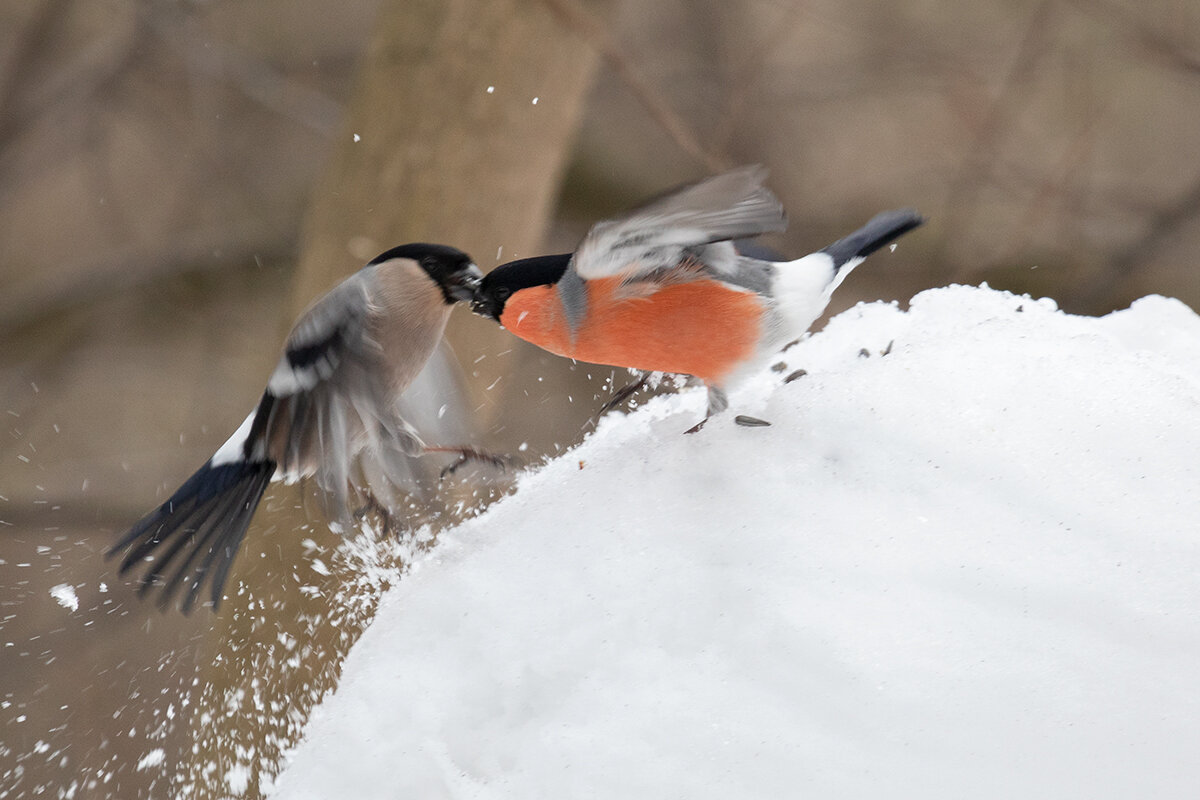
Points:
(968, 568)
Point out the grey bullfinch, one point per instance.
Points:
(330, 407)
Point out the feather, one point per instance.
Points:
(732, 205)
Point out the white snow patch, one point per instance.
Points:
(64, 593)
(968, 568)
(237, 779)
(152, 759)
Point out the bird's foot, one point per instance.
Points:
(373, 506)
(468, 454)
(623, 394)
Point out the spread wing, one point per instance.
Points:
(192, 539)
(697, 220)
(333, 402)
(331, 398)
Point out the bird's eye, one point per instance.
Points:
(503, 292)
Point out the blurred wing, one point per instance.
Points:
(658, 235)
(329, 397)
(193, 538)
(330, 403)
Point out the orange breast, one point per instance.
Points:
(700, 328)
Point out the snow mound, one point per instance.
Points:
(967, 568)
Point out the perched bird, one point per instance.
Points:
(664, 289)
(329, 413)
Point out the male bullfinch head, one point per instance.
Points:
(664, 289)
(500, 284)
(329, 413)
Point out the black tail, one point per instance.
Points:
(883, 229)
(199, 529)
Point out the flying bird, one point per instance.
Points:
(664, 289)
(329, 413)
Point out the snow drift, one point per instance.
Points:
(967, 568)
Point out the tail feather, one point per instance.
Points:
(202, 523)
(882, 229)
(219, 558)
(173, 545)
(802, 288)
(204, 544)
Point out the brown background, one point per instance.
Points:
(178, 179)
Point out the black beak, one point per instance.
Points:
(484, 305)
(461, 285)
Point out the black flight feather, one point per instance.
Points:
(203, 521)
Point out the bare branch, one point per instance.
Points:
(59, 96)
(253, 77)
(1104, 288)
(23, 66)
(1158, 45)
(984, 150)
(120, 270)
(599, 39)
(739, 94)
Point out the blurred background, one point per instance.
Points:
(179, 179)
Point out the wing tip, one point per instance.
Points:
(196, 532)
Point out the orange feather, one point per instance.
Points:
(703, 328)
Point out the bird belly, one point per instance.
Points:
(703, 328)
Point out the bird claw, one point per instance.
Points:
(696, 428)
(452, 467)
(466, 454)
(623, 394)
(380, 511)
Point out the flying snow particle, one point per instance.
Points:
(64, 593)
(238, 779)
(151, 759)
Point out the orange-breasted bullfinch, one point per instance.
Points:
(329, 413)
(664, 289)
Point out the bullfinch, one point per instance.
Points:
(329, 408)
(663, 288)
